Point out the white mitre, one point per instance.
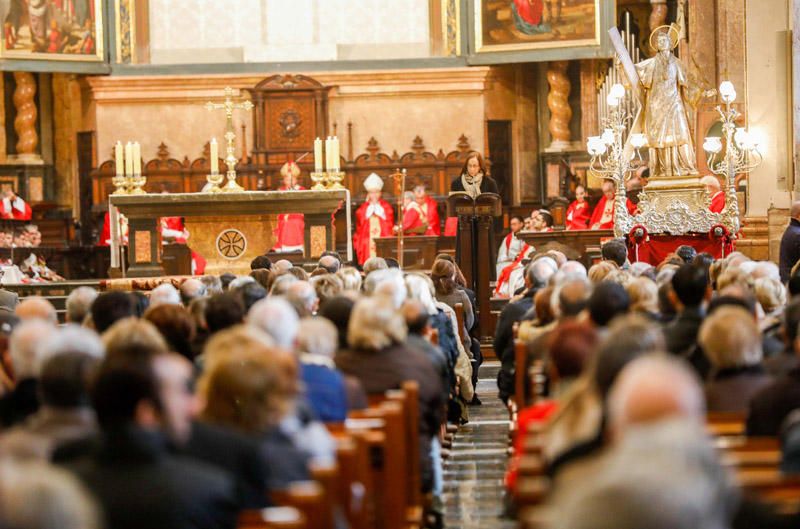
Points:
(373, 183)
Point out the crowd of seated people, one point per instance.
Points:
(183, 407)
(624, 365)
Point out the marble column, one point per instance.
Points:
(558, 103)
(27, 113)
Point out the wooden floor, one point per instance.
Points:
(473, 474)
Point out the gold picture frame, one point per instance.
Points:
(537, 25)
(47, 30)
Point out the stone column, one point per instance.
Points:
(25, 122)
(558, 103)
(658, 13)
(589, 124)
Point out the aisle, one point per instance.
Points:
(473, 474)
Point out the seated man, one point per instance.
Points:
(173, 230)
(290, 233)
(105, 235)
(541, 221)
(509, 258)
(14, 207)
(578, 213)
(415, 222)
(715, 193)
(603, 215)
(430, 208)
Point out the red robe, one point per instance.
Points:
(290, 233)
(607, 224)
(17, 209)
(105, 235)
(431, 210)
(578, 216)
(414, 220)
(176, 225)
(530, 12)
(368, 228)
(717, 202)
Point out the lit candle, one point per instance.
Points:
(214, 156)
(120, 158)
(318, 155)
(137, 159)
(129, 159)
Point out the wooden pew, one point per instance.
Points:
(309, 498)
(722, 424)
(272, 518)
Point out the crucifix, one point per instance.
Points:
(230, 136)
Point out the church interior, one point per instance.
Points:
(317, 264)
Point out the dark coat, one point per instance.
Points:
(488, 185)
(681, 333)
(504, 342)
(770, 406)
(139, 485)
(790, 249)
(20, 403)
(731, 390)
(238, 455)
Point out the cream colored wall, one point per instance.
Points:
(768, 103)
(393, 106)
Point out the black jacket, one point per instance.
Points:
(139, 485)
(790, 249)
(20, 403)
(504, 342)
(681, 333)
(770, 406)
(488, 185)
(238, 455)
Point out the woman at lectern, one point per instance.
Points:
(474, 180)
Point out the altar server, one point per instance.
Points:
(289, 234)
(14, 207)
(415, 222)
(173, 230)
(510, 255)
(430, 208)
(579, 213)
(374, 218)
(714, 190)
(603, 215)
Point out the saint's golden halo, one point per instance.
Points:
(674, 35)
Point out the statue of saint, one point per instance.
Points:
(663, 118)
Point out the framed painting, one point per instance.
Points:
(519, 30)
(52, 30)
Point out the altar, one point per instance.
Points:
(227, 229)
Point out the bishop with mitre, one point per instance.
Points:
(290, 233)
(374, 218)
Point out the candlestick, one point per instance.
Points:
(119, 158)
(318, 155)
(214, 156)
(129, 160)
(137, 159)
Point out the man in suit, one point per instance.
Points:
(790, 243)
(142, 398)
(690, 293)
(537, 274)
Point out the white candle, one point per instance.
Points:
(119, 158)
(137, 159)
(214, 155)
(129, 159)
(328, 158)
(318, 155)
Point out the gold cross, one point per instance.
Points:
(229, 106)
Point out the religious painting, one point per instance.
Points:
(61, 30)
(525, 25)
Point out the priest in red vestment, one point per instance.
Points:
(415, 222)
(14, 207)
(579, 212)
(290, 233)
(714, 190)
(430, 208)
(603, 215)
(374, 218)
(173, 230)
(105, 235)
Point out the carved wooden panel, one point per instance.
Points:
(289, 123)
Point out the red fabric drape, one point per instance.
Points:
(656, 248)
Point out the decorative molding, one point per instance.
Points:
(379, 83)
(125, 17)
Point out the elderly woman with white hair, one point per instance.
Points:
(732, 342)
(379, 357)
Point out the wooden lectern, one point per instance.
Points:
(475, 244)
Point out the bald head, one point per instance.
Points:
(282, 266)
(36, 308)
(329, 263)
(653, 388)
(192, 288)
